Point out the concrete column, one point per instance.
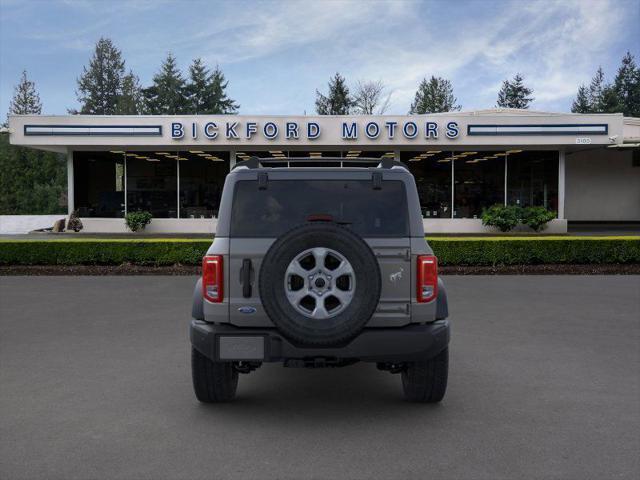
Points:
(561, 183)
(125, 187)
(70, 185)
(506, 169)
(177, 188)
(232, 159)
(396, 155)
(453, 184)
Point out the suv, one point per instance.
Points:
(319, 267)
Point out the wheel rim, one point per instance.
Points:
(319, 283)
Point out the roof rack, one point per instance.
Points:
(257, 162)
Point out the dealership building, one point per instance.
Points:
(586, 168)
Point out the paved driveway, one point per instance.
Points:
(95, 383)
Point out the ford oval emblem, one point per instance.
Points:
(247, 310)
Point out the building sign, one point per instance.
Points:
(314, 131)
(294, 130)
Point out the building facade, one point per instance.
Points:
(583, 167)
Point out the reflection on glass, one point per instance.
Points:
(532, 179)
(201, 180)
(479, 182)
(432, 171)
(152, 184)
(99, 184)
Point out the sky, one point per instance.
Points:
(275, 54)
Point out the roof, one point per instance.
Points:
(511, 112)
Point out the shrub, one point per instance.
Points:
(137, 220)
(74, 223)
(537, 217)
(503, 217)
(536, 250)
(450, 251)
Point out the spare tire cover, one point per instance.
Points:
(320, 284)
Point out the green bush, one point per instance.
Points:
(536, 250)
(450, 251)
(103, 252)
(504, 218)
(137, 220)
(537, 217)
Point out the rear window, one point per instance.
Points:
(287, 203)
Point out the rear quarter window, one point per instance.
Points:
(286, 203)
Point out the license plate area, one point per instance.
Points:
(241, 347)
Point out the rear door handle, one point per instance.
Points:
(245, 276)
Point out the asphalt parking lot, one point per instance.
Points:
(544, 383)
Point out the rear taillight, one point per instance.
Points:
(427, 278)
(212, 278)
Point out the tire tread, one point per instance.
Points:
(213, 382)
(426, 381)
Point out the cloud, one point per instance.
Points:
(277, 53)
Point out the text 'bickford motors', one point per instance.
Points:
(312, 130)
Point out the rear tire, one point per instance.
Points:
(426, 381)
(213, 382)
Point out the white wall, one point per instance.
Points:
(12, 224)
(157, 225)
(602, 185)
(474, 225)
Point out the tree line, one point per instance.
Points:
(106, 88)
(435, 95)
(33, 181)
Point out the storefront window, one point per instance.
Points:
(99, 184)
(532, 179)
(432, 171)
(479, 182)
(152, 184)
(201, 180)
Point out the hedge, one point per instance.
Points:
(536, 250)
(450, 251)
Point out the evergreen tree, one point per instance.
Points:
(100, 85)
(130, 101)
(514, 94)
(433, 96)
(627, 86)
(581, 104)
(206, 91)
(219, 102)
(31, 181)
(337, 101)
(196, 89)
(25, 99)
(167, 95)
(596, 91)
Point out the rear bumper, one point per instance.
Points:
(413, 342)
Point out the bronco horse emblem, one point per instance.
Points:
(394, 277)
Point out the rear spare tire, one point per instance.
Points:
(320, 284)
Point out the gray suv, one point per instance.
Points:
(319, 265)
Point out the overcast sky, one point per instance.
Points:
(275, 54)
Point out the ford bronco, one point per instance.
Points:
(319, 266)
